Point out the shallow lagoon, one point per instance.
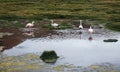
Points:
(73, 47)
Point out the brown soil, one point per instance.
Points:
(18, 36)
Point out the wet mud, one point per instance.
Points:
(21, 34)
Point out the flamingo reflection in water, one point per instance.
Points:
(29, 33)
(80, 27)
(80, 34)
(90, 30)
(90, 38)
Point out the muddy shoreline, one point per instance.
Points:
(31, 62)
(19, 36)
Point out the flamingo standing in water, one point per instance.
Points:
(55, 25)
(90, 30)
(80, 26)
(30, 25)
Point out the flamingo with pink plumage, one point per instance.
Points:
(30, 25)
(90, 30)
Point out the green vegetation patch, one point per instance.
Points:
(1, 35)
(65, 25)
(49, 56)
(62, 25)
(11, 25)
(110, 40)
(113, 26)
(100, 10)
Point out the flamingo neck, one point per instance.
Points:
(32, 22)
(90, 27)
(80, 22)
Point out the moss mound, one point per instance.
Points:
(110, 40)
(49, 56)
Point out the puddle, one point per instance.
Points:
(73, 47)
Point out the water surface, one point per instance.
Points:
(74, 48)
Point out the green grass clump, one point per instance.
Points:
(13, 25)
(1, 36)
(48, 26)
(65, 25)
(113, 26)
(18, 25)
(110, 40)
(49, 56)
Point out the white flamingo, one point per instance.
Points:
(90, 30)
(80, 26)
(1, 48)
(55, 25)
(29, 25)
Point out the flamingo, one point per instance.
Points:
(55, 25)
(90, 30)
(29, 25)
(80, 26)
(1, 48)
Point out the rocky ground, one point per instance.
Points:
(20, 34)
